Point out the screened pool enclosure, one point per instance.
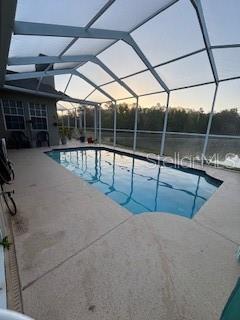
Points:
(158, 76)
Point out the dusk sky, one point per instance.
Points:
(172, 33)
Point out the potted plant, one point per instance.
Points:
(63, 135)
(82, 137)
(69, 133)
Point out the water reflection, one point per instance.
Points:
(137, 185)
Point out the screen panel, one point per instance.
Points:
(121, 59)
(64, 105)
(61, 81)
(189, 109)
(195, 98)
(23, 68)
(78, 88)
(65, 65)
(153, 100)
(116, 90)
(187, 121)
(228, 96)
(97, 96)
(124, 15)
(66, 12)
(227, 62)
(125, 122)
(224, 149)
(90, 114)
(170, 34)
(143, 83)
(107, 116)
(188, 71)
(88, 46)
(30, 46)
(222, 19)
(95, 73)
(151, 115)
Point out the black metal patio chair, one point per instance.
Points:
(42, 136)
(19, 140)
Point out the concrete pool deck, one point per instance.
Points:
(82, 256)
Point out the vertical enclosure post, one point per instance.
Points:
(84, 122)
(62, 120)
(164, 126)
(135, 126)
(80, 118)
(75, 118)
(209, 123)
(95, 123)
(114, 123)
(68, 119)
(100, 124)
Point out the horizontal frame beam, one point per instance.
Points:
(51, 95)
(38, 74)
(44, 29)
(48, 59)
(80, 101)
(226, 46)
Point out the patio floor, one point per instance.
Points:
(82, 256)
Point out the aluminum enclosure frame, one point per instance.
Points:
(28, 28)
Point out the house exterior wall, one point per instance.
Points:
(26, 99)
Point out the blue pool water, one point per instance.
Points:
(138, 185)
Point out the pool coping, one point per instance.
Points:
(219, 173)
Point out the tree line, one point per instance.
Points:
(179, 119)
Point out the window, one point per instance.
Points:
(38, 114)
(13, 114)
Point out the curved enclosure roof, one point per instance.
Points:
(103, 50)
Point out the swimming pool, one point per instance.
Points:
(139, 185)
